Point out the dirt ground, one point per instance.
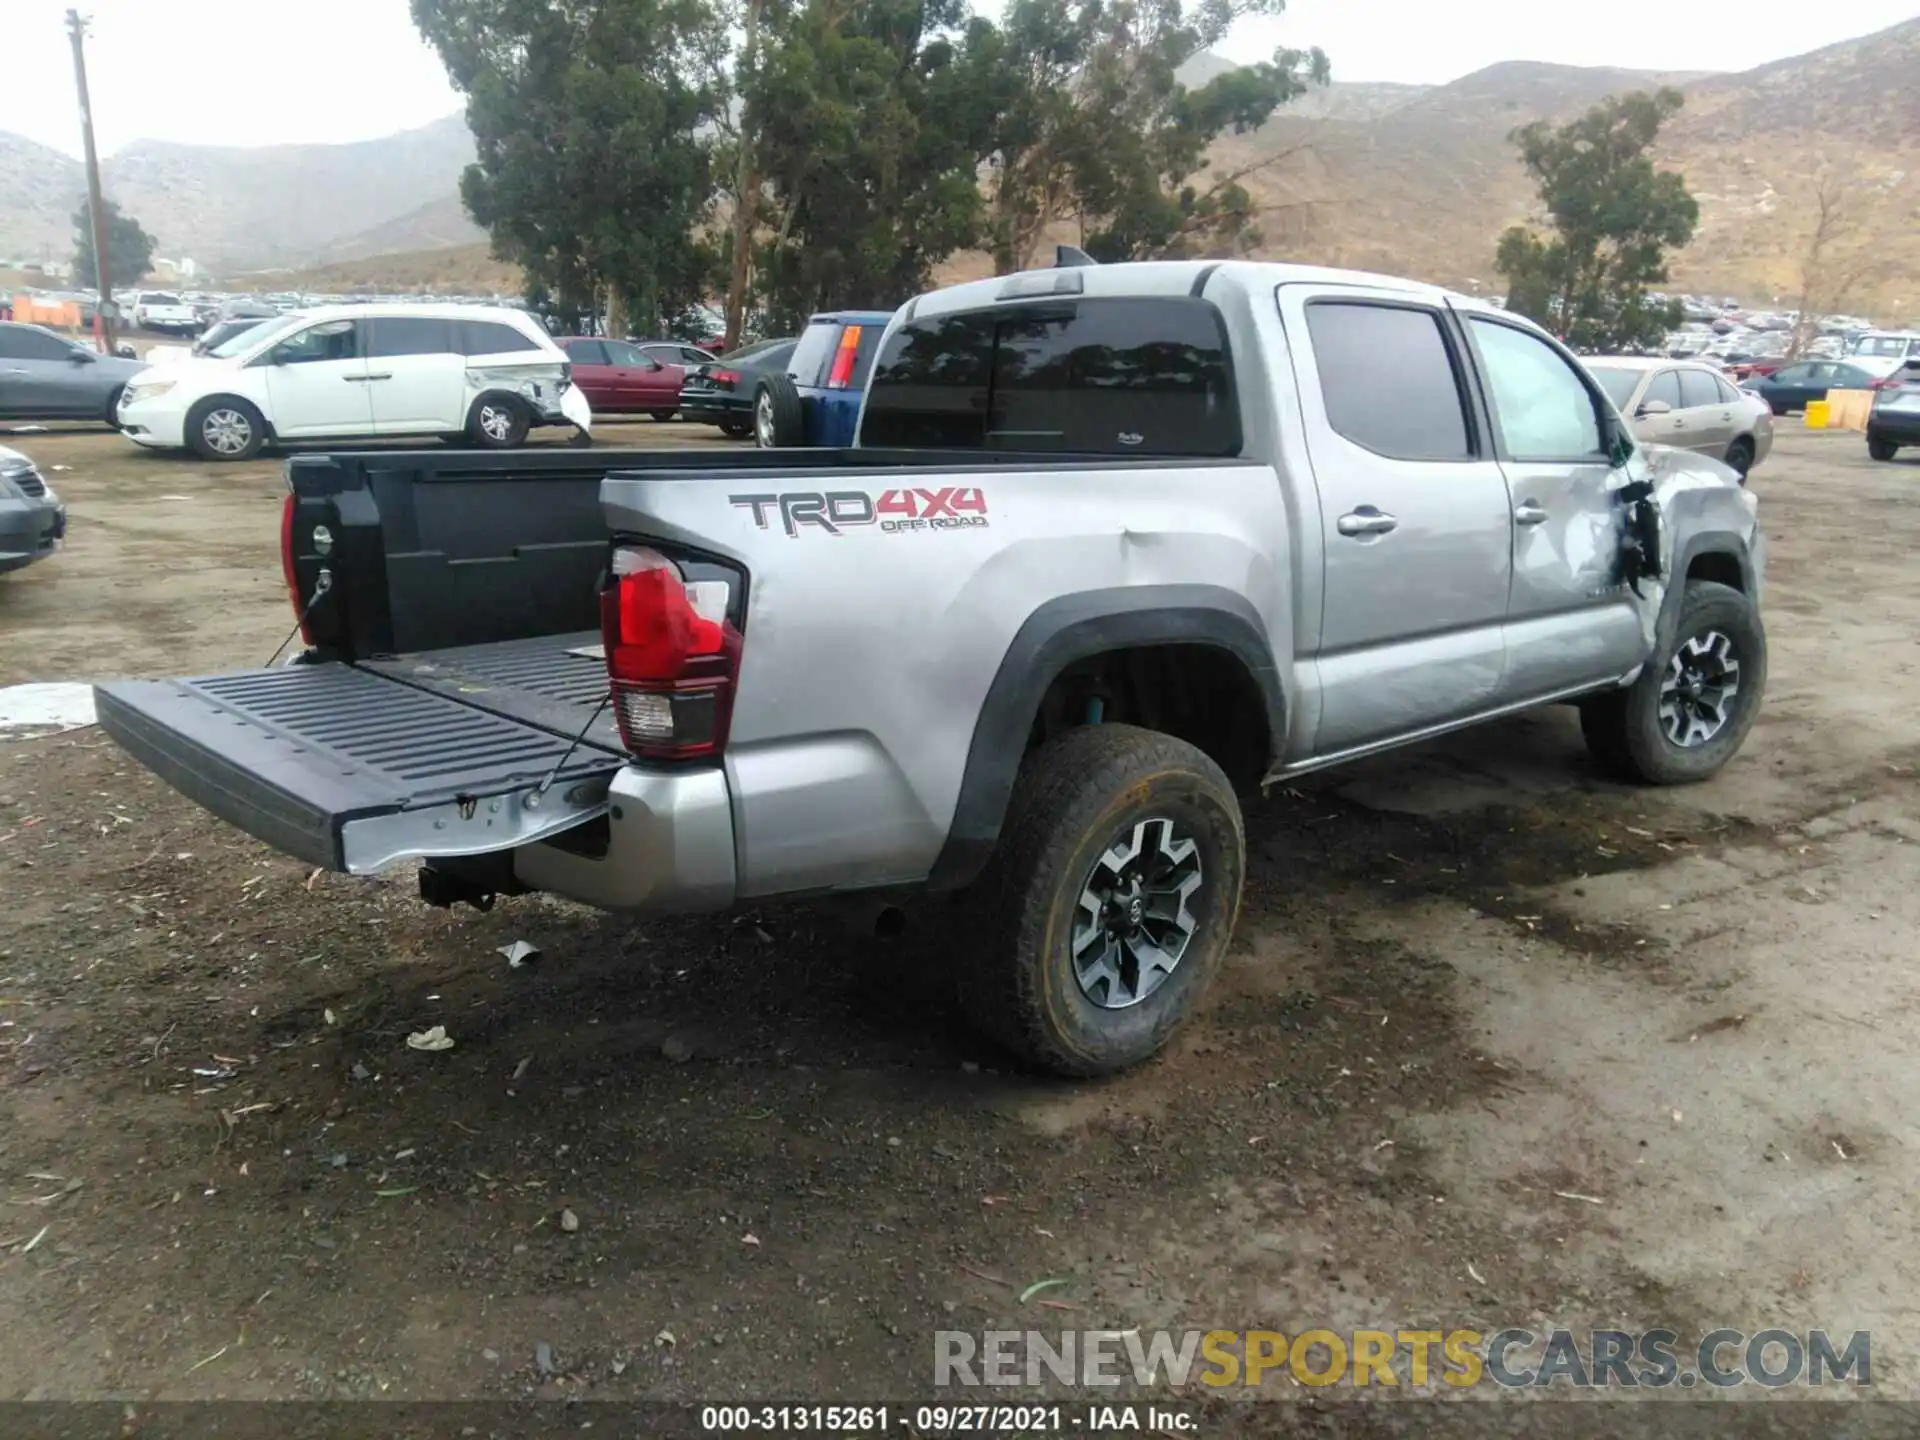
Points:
(1500, 1043)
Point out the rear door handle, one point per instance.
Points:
(1528, 512)
(1366, 521)
(387, 376)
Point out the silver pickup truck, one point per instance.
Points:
(1115, 546)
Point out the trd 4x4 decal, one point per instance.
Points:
(951, 507)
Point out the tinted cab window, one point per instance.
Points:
(1096, 376)
(1389, 379)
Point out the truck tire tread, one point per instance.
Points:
(1622, 727)
(1015, 975)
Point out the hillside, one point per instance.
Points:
(449, 270)
(231, 207)
(1408, 178)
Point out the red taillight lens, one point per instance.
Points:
(724, 377)
(287, 567)
(841, 376)
(672, 656)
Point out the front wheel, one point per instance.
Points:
(1881, 449)
(499, 422)
(1691, 708)
(1109, 902)
(225, 427)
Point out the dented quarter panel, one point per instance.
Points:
(538, 381)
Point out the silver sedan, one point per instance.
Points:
(1688, 405)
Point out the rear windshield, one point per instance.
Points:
(1617, 383)
(1096, 376)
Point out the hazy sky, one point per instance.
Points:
(261, 72)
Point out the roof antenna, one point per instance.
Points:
(1069, 255)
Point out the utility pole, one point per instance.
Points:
(96, 206)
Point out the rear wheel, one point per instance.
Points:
(1110, 900)
(663, 416)
(1693, 704)
(1740, 456)
(498, 422)
(1881, 449)
(225, 427)
(736, 429)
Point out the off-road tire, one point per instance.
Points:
(1074, 798)
(1881, 449)
(1623, 728)
(200, 436)
(779, 414)
(485, 430)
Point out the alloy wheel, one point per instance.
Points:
(1698, 691)
(496, 423)
(763, 421)
(1134, 921)
(227, 432)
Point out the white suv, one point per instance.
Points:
(360, 371)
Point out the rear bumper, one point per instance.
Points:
(668, 847)
(709, 408)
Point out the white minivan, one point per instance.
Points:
(482, 375)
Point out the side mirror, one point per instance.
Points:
(653, 364)
(83, 357)
(1653, 407)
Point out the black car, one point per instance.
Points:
(1792, 386)
(1895, 418)
(721, 392)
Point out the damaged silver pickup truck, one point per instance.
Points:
(1115, 546)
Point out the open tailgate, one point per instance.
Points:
(352, 771)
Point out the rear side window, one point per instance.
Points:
(585, 352)
(1389, 379)
(408, 335)
(1697, 389)
(490, 337)
(23, 342)
(814, 352)
(1727, 393)
(1093, 377)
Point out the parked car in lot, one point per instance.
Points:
(486, 376)
(816, 399)
(721, 392)
(1104, 556)
(1881, 352)
(1687, 404)
(45, 376)
(1791, 386)
(32, 519)
(624, 378)
(1895, 418)
(165, 312)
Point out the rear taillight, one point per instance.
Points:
(673, 654)
(724, 377)
(288, 568)
(841, 376)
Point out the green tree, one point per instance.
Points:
(1614, 217)
(867, 120)
(129, 247)
(591, 124)
(1094, 126)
